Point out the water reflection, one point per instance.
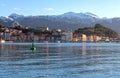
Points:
(84, 48)
(47, 50)
(11, 52)
(6, 51)
(2, 46)
(47, 55)
(81, 60)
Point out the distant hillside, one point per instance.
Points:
(99, 30)
(69, 21)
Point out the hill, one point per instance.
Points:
(98, 30)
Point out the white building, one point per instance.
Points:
(93, 38)
(84, 37)
(67, 36)
(7, 34)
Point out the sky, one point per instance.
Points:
(102, 8)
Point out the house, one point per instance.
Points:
(75, 39)
(7, 34)
(93, 38)
(84, 37)
(67, 36)
(42, 28)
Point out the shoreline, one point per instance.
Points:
(56, 42)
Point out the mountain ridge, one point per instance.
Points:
(69, 20)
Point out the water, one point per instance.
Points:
(60, 60)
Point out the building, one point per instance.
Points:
(42, 28)
(96, 38)
(93, 38)
(84, 37)
(67, 36)
(56, 35)
(7, 35)
(1, 35)
(36, 38)
(75, 39)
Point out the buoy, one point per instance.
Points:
(33, 47)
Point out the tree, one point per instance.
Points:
(99, 30)
(2, 28)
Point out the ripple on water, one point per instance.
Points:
(69, 60)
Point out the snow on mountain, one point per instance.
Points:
(68, 15)
(91, 14)
(79, 15)
(69, 19)
(16, 16)
(6, 18)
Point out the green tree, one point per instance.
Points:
(99, 30)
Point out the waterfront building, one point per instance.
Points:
(96, 38)
(105, 39)
(42, 28)
(75, 39)
(7, 35)
(84, 38)
(42, 37)
(1, 35)
(67, 36)
(90, 38)
(93, 38)
(56, 35)
(36, 38)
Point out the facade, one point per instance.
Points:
(42, 28)
(36, 38)
(50, 36)
(7, 35)
(1, 35)
(75, 39)
(84, 38)
(93, 38)
(67, 36)
(90, 38)
(96, 38)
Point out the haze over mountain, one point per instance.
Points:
(69, 21)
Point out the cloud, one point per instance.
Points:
(50, 9)
(17, 9)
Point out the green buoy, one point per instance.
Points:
(33, 48)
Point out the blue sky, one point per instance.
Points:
(102, 8)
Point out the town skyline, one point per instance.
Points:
(20, 33)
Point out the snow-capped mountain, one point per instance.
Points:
(15, 16)
(86, 15)
(69, 20)
(6, 18)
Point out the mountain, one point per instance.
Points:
(86, 15)
(69, 21)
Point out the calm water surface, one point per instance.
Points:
(60, 60)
